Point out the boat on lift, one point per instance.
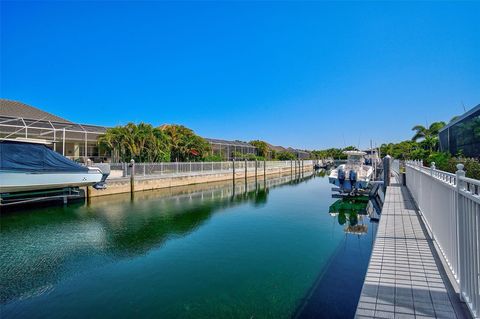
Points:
(28, 165)
(353, 177)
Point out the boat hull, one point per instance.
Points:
(12, 182)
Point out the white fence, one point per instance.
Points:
(450, 204)
(203, 168)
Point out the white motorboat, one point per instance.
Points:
(372, 158)
(352, 176)
(29, 165)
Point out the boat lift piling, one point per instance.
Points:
(132, 176)
(387, 160)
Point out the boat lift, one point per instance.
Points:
(62, 194)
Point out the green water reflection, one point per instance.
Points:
(203, 251)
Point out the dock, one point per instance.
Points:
(405, 276)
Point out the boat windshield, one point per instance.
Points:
(355, 159)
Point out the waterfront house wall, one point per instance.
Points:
(462, 136)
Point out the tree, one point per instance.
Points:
(429, 136)
(185, 145)
(285, 156)
(262, 147)
(141, 142)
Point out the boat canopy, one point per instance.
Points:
(34, 157)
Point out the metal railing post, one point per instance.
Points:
(233, 166)
(124, 170)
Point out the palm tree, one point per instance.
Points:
(141, 142)
(262, 147)
(185, 145)
(429, 136)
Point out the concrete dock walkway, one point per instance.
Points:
(405, 277)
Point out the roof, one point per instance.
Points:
(474, 110)
(225, 142)
(277, 148)
(9, 108)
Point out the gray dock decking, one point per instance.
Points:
(405, 277)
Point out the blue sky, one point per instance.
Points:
(302, 74)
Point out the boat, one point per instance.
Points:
(28, 165)
(372, 158)
(354, 176)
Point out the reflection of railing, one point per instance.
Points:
(450, 204)
(204, 168)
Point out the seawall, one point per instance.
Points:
(144, 183)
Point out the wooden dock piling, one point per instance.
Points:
(264, 169)
(233, 164)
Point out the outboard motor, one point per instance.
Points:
(341, 176)
(353, 178)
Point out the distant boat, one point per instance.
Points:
(29, 165)
(352, 176)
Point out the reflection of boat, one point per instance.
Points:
(352, 176)
(29, 165)
(349, 212)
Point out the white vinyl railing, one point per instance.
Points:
(450, 205)
(203, 168)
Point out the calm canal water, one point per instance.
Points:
(198, 252)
